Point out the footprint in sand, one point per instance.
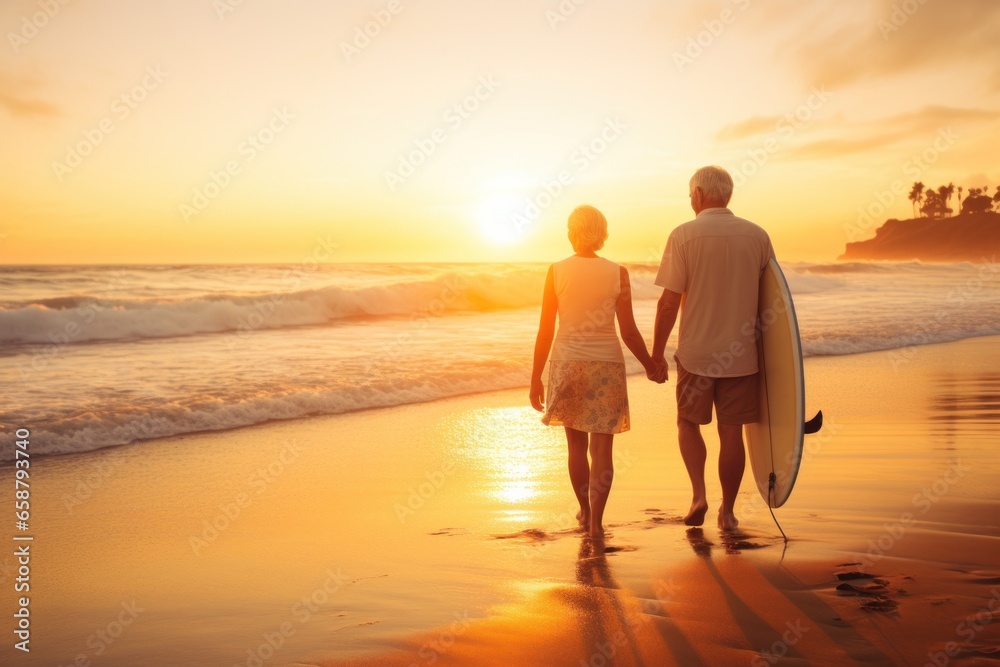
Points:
(615, 548)
(528, 534)
(874, 593)
(451, 531)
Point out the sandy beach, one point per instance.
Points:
(441, 534)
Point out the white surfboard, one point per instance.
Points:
(775, 440)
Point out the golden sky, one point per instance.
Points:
(460, 130)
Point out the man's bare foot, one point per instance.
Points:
(596, 532)
(583, 518)
(696, 515)
(728, 521)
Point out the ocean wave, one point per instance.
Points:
(122, 423)
(886, 267)
(85, 318)
(819, 346)
(81, 318)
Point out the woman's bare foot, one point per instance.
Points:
(728, 521)
(583, 518)
(596, 532)
(696, 515)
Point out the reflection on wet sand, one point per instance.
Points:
(969, 398)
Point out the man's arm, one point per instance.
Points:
(666, 316)
(672, 274)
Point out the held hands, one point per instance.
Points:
(537, 395)
(657, 370)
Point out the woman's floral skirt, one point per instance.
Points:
(587, 396)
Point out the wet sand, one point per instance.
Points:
(442, 534)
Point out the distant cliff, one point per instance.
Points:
(964, 238)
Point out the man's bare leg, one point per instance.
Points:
(602, 474)
(693, 452)
(579, 473)
(732, 462)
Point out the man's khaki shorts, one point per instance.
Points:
(735, 398)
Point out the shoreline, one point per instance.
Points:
(915, 349)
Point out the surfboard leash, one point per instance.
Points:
(771, 479)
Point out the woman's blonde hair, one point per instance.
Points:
(588, 229)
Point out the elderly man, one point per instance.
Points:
(710, 272)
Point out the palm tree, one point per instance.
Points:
(960, 188)
(916, 194)
(945, 192)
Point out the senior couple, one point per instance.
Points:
(710, 273)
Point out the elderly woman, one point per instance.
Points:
(587, 393)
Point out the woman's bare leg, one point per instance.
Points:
(602, 474)
(579, 473)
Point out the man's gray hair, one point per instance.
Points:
(715, 183)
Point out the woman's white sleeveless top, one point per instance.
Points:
(587, 290)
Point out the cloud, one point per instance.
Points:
(748, 128)
(880, 39)
(843, 137)
(17, 99)
(859, 137)
(934, 116)
(828, 148)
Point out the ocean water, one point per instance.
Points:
(97, 356)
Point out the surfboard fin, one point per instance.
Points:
(814, 424)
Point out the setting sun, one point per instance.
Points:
(502, 218)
